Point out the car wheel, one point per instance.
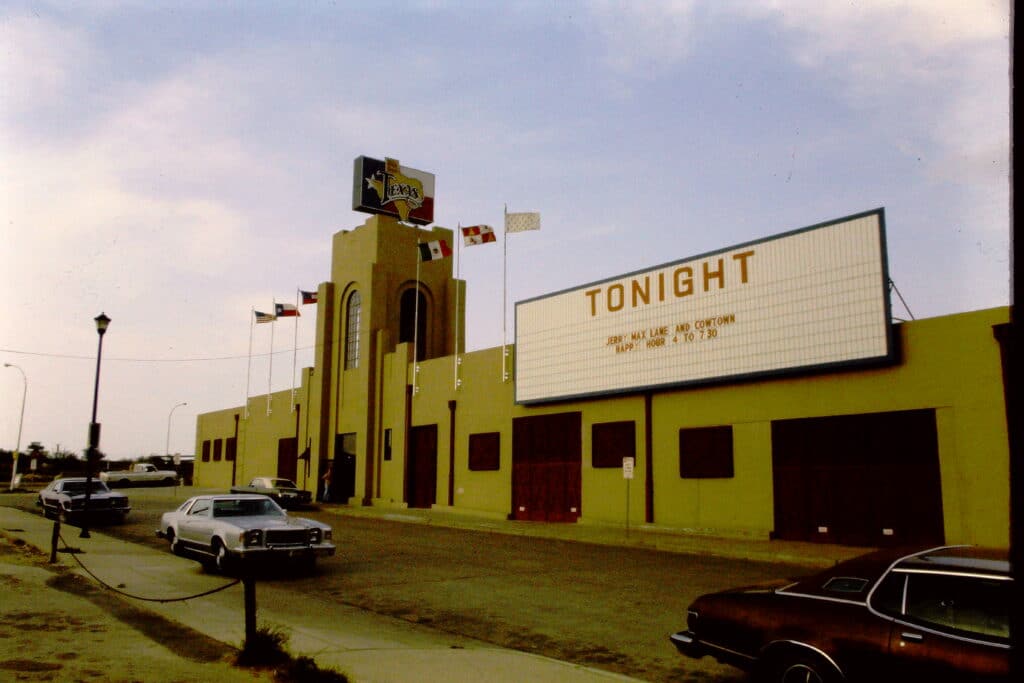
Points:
(222, 559)
(123, 482)
(800, 668)
(175, 542)
(169, 481)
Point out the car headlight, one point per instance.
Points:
(315, 534)
(252, 537)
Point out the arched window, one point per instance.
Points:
(409, 316)
(355, 309)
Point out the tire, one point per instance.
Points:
(168, 482)
(123, 482)
(222, 560)
(176, 547)
(800, 667)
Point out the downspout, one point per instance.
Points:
(648, 459)
(234, 460)
(451, 453)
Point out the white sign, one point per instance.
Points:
(811, 298)
(627, 467)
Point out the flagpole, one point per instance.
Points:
(504, 300)
(458, 265)
(295, 347)
(270, 363)
(248, 365)
(416, 322)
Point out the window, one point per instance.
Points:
(705, 453)
(611, 442)
(485, 451)
(412, 324)
(217, 447)
(230, 448)
(206, 451)
(387, 444)
(964, 605)
(355, 311)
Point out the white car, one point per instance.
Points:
(221, 530)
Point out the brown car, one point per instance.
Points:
(937, 614)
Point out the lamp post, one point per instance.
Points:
(102, 321)
(21, 420)
(167, 446)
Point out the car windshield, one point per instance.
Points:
(283, 484)
(79, 487)
(246, 507)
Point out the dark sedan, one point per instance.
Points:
(64, 499)
(284, 491)
(935, 614)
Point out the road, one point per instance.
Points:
(606, 607)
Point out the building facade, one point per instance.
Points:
(911, 450)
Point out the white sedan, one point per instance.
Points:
(222, 530)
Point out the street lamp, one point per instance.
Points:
(102, 321)
(21, 420)
(167, 446)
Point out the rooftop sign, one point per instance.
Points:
(386, 187)
(811, 298)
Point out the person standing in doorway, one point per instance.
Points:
(327, 482)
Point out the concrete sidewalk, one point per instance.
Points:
(366, 647)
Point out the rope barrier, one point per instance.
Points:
(141, 597)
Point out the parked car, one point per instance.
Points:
(64, 499)
(222, 530)
(932, 615)
(140, 474)
(284, 491)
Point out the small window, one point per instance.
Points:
(705, 453)
(218, 446)
(846, 584)
(387, 444)
(230, 448)
(611, 442)
(485, 451)
(206, 451)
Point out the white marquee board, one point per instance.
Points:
(811, 298)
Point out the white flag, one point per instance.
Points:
(520, 222)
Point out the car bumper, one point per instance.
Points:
(259, 554)
(687, 644)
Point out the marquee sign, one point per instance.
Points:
(813, 298)
(386, 187)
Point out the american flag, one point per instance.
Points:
(262, 317)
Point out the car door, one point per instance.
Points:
(196, 526)
(952, 627)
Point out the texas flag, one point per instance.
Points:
(478, 234)
(285, 310)
(307, 297)
(432, 251)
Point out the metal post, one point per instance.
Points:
(21, 420)
(249, 587)
(102, 321)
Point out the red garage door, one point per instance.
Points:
(546, 459)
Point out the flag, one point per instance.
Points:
(432, 251)
(307, 297)
(285, 310)
(519, 222)
(264, 317)
(478, 234)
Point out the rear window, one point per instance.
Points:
(846, 585)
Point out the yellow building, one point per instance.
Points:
(910, 449)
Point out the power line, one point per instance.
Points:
(153, 360)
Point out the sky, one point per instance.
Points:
(176, 165)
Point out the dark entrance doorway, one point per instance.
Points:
(870, 480)
(547, 453)
(421, 484)
(288, 458)
(343, 478)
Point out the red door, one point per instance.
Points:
(421, 486)
(547, 453)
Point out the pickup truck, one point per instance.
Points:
(284, 491)
(141, 474)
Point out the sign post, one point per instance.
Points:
(627, 474)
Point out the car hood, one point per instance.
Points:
(259, 522)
